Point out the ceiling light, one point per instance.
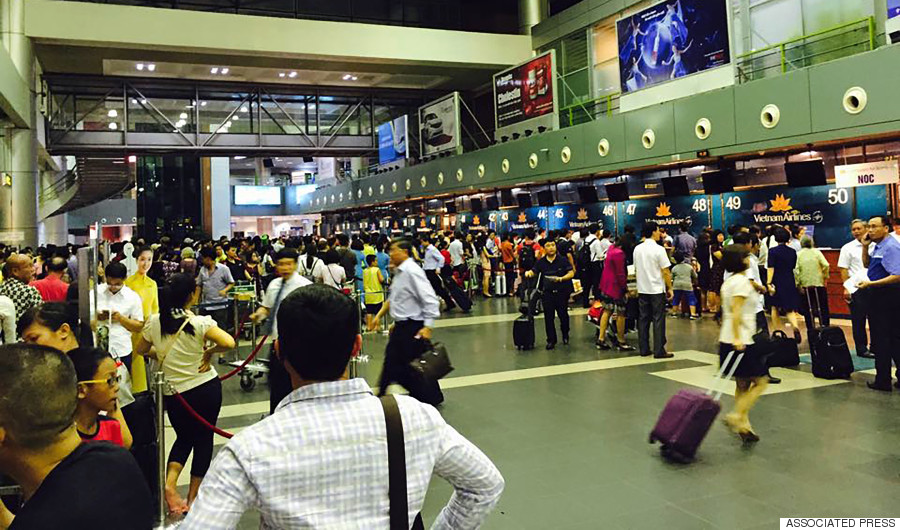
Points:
(114, 126)
(353, 78)
(281, 74)
(214, 70)
(151, 67)
(224, 71)
(202, 103)
(235, 117)
(347, 77)
(240, 157)
(112, 113)
(244, 108)
(133, 101)
(139, 66)
(292, 75)
(132, 159)
(143, 101)
(183, 115)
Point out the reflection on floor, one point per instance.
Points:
(568, 429)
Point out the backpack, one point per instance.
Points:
(527, 257)
(583, 259)
(308, 273)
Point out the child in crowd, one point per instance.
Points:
(98, 388)
(684, 278)
(373, 282)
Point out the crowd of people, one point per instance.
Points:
(84, 381)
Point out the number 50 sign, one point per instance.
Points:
(867, 174)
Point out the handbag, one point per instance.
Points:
(434, 364)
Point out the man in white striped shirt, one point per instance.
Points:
(321, 460)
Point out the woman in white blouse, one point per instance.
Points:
(178, 339)
(739, 303)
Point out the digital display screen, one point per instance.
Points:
(257, 195)
(670, 40)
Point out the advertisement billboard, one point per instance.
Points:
(439, 125)
(670, 40)
(893, 8)
(257, 195)
(392, 141)
(527, 92)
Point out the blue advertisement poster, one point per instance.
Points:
(672, 39)
(392, 141)
(893, 8)
(668, 212)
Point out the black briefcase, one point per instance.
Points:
(434, 364)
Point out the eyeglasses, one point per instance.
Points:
(111, 381)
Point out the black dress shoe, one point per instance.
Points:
(879, 386)
(565, 340)
(666, 355)
(774, 380)
(866, 355)
(551, 345)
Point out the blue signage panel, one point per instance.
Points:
(668, 212)
(825, 211)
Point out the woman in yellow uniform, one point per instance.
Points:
(145, 287)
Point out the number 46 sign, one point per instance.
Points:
(867, 174)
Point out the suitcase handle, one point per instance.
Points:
(719, 376)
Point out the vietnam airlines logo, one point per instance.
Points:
(422, 223)
(780, 204)
(663, 210)
(523, 218)
(395, 225)
(582, 214)
(476, 220)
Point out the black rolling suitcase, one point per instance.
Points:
(460, 298)
(523, 332)
(523, 327)
(828, 348)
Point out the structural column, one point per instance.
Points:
(531, 13)
(20, 143)
(218, 188)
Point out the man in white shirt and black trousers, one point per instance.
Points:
(414, 306)
(287, 281)
(850, 262)
(654, 286)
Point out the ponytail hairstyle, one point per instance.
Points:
(173, 297)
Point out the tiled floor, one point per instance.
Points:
(568, 430)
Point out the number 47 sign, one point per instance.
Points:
(867, 174)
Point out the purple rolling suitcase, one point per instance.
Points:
(687, 417)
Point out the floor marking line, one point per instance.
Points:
(262, 407)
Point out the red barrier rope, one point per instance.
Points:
(247, 361)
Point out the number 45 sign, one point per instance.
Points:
(867, 174)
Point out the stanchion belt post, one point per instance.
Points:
(158, 387)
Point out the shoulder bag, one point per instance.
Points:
(399, 504)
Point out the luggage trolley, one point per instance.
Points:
(245, 302)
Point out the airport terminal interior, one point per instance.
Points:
(644, 156)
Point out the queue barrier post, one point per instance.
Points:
(159, 382)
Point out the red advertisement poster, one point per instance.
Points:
(525, 91)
